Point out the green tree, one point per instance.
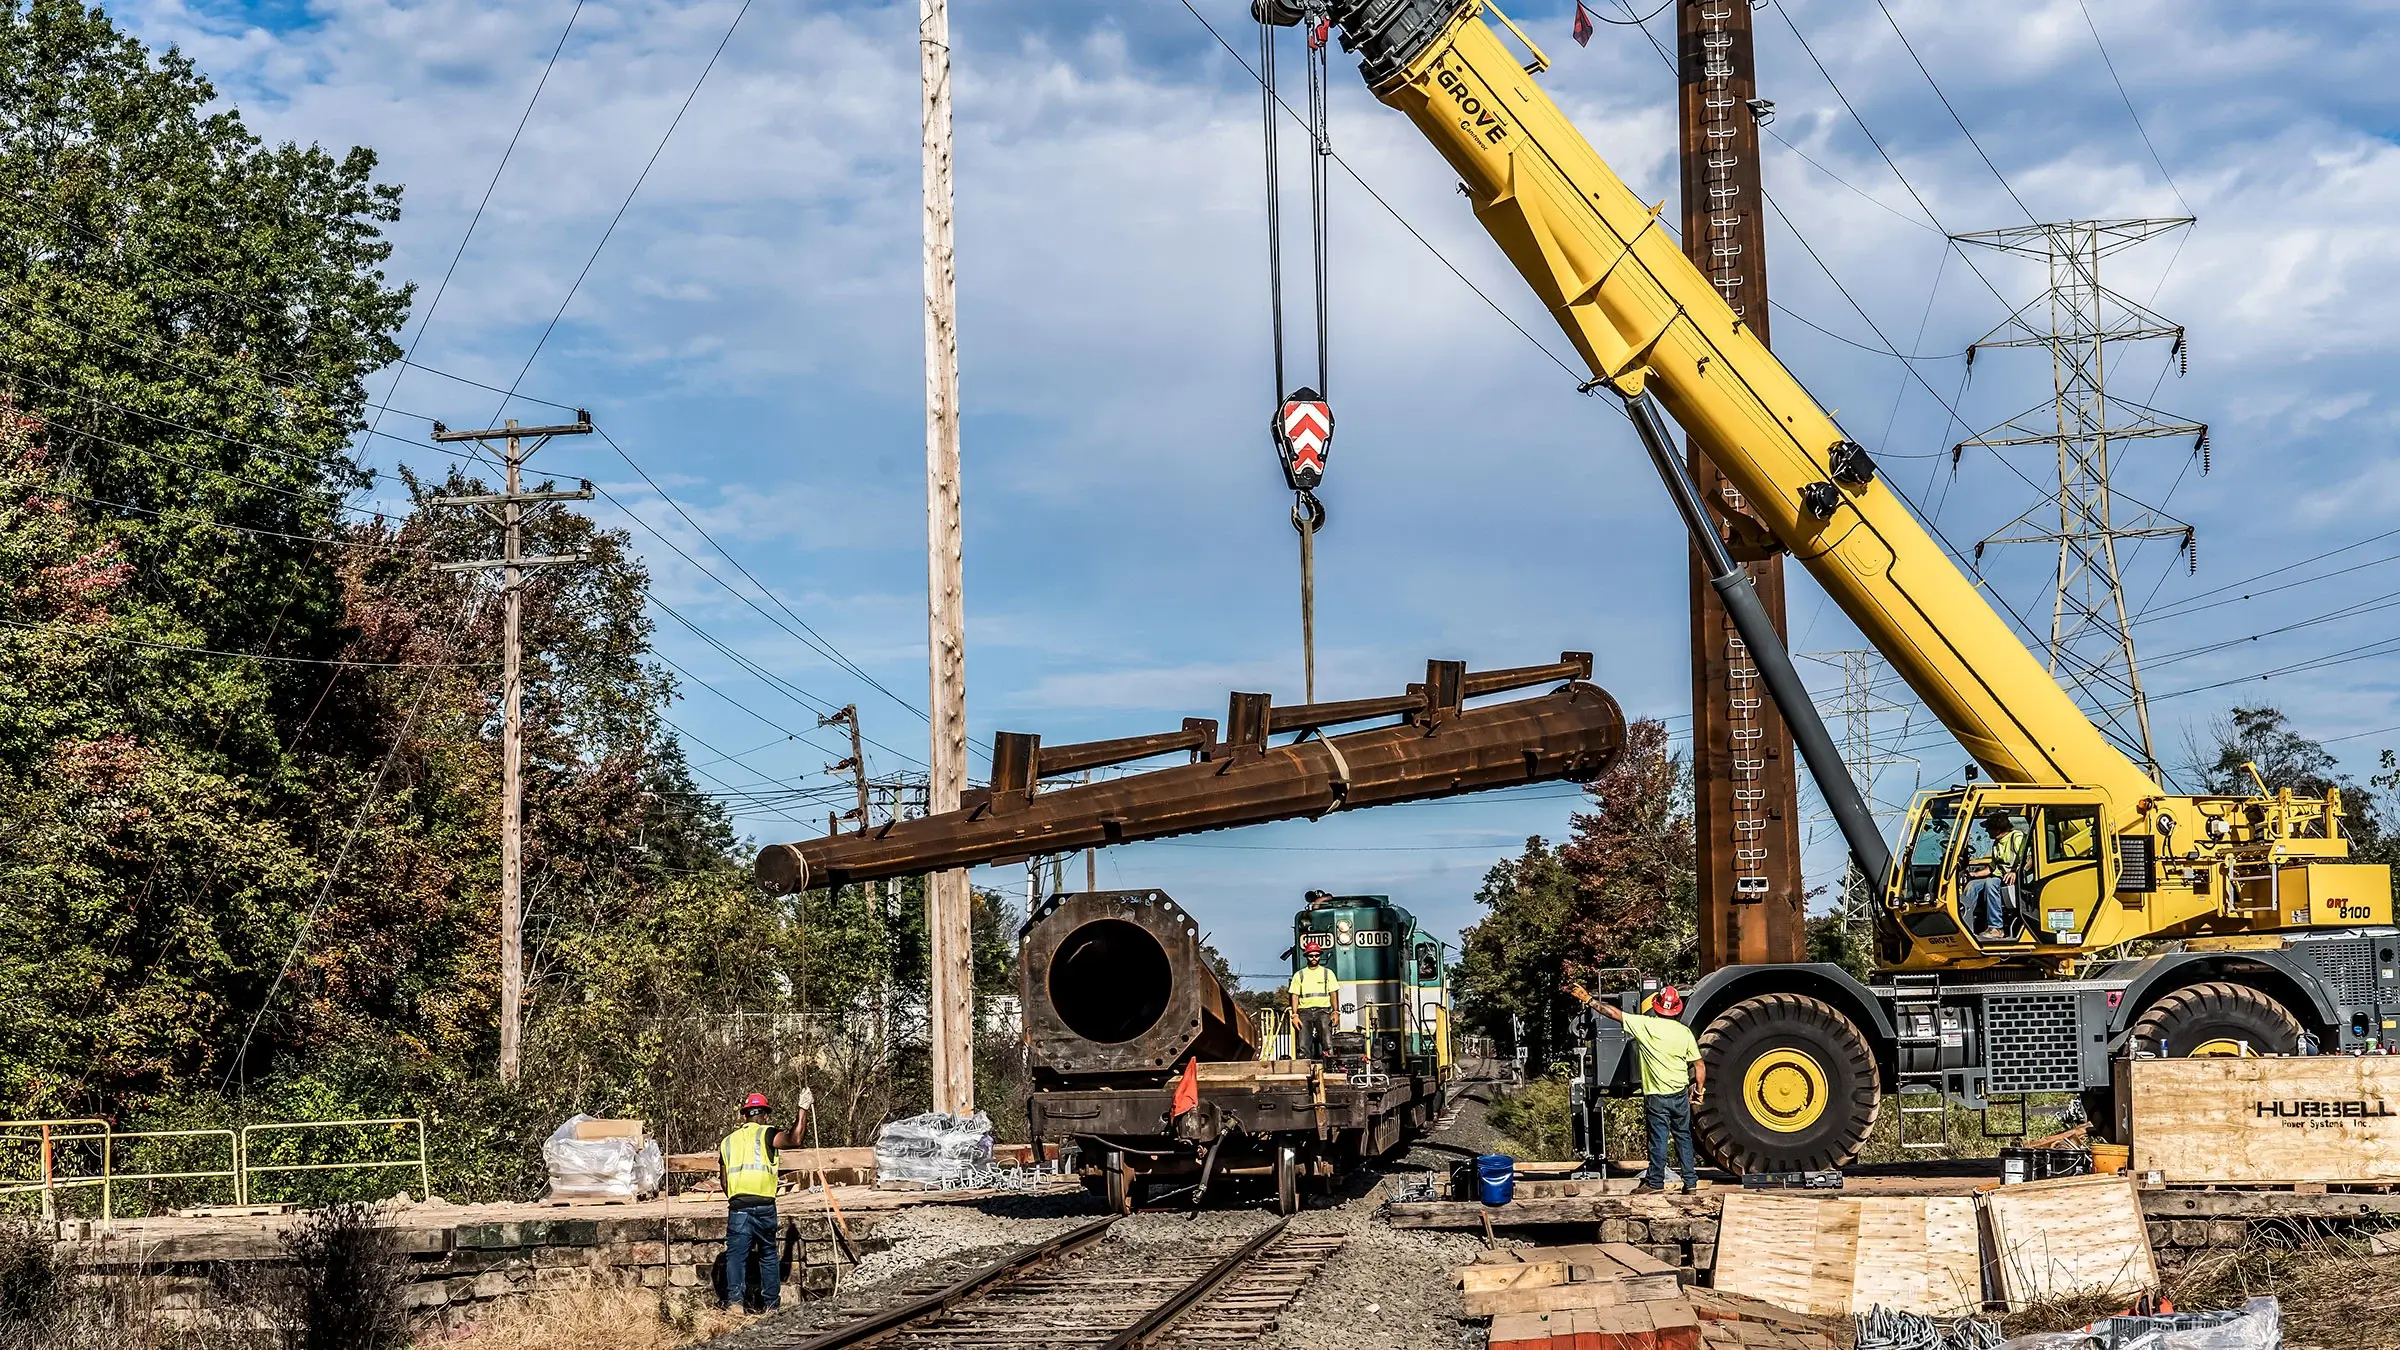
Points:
(1514, 961)
(1619, 894)
(190, 313)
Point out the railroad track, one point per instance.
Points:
(1081, 1290)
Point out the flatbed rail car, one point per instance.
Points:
(1125, 1022)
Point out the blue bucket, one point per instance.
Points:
(1495, 1178)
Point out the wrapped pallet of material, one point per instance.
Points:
(934, 1149)
(616, 1166)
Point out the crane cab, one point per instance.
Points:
(2018, 874)
(2037, 863)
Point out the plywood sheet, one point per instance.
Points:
(2077, 1235)
(2306, 1118)
(1837, 1255)
(1918, 1254)
(1794, 1252)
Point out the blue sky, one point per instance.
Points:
(751, 337)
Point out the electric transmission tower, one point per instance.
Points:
(1866, 754)
(2078, 320)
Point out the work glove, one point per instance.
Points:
(807, 1100)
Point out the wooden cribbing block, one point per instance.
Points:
(1553, 1279)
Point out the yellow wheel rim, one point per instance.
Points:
(1785, 1090)
(2224, 1047)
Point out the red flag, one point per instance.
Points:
(1187, 1090)
(1583, 25)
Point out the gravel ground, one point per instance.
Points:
(1387, 1289)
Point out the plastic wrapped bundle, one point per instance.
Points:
(934, 1149)
(614, 1167)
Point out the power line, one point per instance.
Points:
(461, 251)
(622, 207)
(88, 634)
(815, 640)
(1946, 107)
(2137, 117)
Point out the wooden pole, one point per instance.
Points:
(948, 917)
(512, 766)
(512, 562)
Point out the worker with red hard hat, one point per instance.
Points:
(1672, 1078)
(749, 1164)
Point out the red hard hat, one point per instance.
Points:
(1667, 1001)
(756, 1101)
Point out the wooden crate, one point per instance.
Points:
(2304, 1119)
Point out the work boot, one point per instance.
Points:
(1648, 1187)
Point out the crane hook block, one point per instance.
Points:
(1304, 438)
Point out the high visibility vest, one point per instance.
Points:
(2009, 850)
(749, 1160)
(1314, 986)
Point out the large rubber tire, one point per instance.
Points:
(1789, 1054)
(2213, 1019)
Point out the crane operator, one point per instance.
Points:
(1994, 876)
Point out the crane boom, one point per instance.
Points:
(1646, 321)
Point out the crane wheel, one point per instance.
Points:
(2217, 1018)
(1791, 1087)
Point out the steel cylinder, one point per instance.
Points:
(1574, 732)
(1115, 984)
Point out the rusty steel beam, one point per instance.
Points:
(1574, 732)
(1746, 809)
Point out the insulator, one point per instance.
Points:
(2183, 356)
(2202, 446)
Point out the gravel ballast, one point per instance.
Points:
(1387, 1289)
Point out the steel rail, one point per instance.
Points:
(1158, 1319)
(899, 1315)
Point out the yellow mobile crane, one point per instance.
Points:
(2258, 933)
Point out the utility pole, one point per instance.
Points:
(949, 917)
(1746, 787)
(2077, 319)
(857, 766)
(512, 562)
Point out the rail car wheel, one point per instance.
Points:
(2216, 1019)
(1287, 1181)
(1124, 1188)
(1791, 1087)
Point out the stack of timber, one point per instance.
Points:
(2304, 1121)
(1553, 1279)
(1697, 1319)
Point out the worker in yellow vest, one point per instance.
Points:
(1312, 993)
(749, 1163)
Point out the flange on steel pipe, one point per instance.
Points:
(1438, 748)
(1115, 982)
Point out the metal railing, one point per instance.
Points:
(70, 1148)
(252, 1170)
(50, 1134)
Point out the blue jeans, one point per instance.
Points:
(1988, 899)
(753, 1225)
(1669, 1117)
